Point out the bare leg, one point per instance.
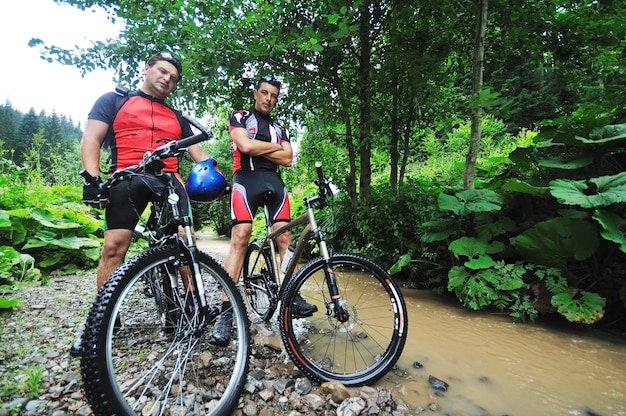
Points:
(240, 236)
(116, 243)
(282, 240)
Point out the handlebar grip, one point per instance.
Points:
(320, 173)
(199, 126)
(189, 141)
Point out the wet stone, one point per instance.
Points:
(337, 391)
(438, 384)
(250, 408)
(303, 386)
(266, 394)
(313, 401)
(281, 384)
(352, 406)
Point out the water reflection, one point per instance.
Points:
(497, 367)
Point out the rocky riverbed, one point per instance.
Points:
(38, 376)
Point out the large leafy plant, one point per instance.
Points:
(545, 242)
(43, 230)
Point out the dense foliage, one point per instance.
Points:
(381, 93)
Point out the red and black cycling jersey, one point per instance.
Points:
(141, 124)
(260, 127)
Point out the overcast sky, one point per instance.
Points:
(28, 81)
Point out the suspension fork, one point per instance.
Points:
(340, 313)
(192, 251)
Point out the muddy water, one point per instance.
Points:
(496, 367)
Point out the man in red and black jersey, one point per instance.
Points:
(143, 123)
(260, 147)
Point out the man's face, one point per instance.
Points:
(161, 79)
(266, 98)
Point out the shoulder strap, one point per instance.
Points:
(121, 96)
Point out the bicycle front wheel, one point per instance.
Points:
(258, 277)
(360, 350)
(147, 351)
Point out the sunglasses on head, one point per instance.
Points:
(270, 79)
(168, 57)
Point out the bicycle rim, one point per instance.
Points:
(156, 361)
(362, 349)
(259, 285)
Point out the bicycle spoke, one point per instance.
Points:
(363, 347)
(144, 368)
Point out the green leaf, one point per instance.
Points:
(5, 220)
(449, 203)
(7, 303)
(487, 228)
(524, 187)
(481, 262)
(48, 219)
(597, 192)
(473, 247)
(605, 134)
(456, 277)
(471, 201)
(404, 260)
(51, 259)
(555, 241)
(575, 162)
(333, 18)
(613, 227)
(579, 306)
(510, 283)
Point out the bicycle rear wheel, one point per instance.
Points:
(362, 349)
(260, 288)
(144, 352)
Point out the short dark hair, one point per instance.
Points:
(168, 57)
(270, 79)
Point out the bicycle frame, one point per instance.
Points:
(334, 342)
(311, 230)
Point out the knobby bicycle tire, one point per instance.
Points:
(153, 360)
(364, 348)
(259, 286)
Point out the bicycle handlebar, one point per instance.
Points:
(150, 159)
(326, 187)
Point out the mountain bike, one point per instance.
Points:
(360, 327)
(146, 344)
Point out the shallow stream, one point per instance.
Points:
(496, 367)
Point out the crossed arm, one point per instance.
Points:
(279, 153)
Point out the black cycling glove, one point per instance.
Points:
(93, 195)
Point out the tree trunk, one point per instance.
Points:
(345, 116)
(365, 143)
(477, 85)
(395, 132)
(405, 143)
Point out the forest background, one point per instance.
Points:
(479, 145)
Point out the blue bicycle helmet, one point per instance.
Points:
(205, 183)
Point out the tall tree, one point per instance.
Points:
(477, 89)
(8, 126)
(29, 127)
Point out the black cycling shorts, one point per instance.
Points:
(128, 199)
(252, 189)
